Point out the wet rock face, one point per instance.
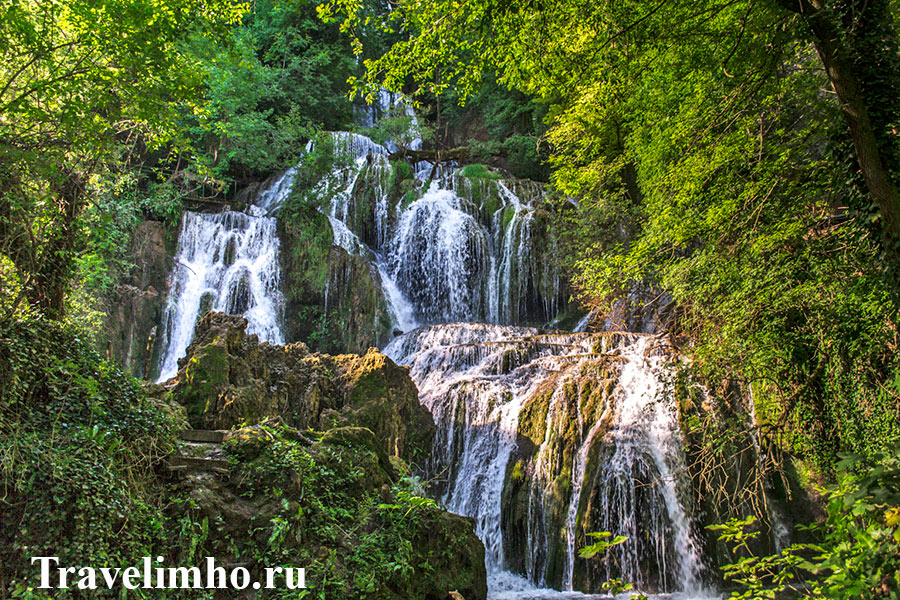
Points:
(228, 378)
(553, 423)
(547, 437)
(333, 299)
(133, 314)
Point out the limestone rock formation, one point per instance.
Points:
(228, 378)
(317, 445)
(329, 506)
(134, 312)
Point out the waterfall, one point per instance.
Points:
(643, 469)
(229, 262)
(441, 259)
(459, 249)
(619, 472)
(542, 436)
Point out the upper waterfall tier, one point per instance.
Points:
(228, 262)
(449, 244)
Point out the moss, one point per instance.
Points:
(533, 417)
(307, 236)
(408, 198)
(331, 507)
(489, 199)
(518, 472)
(357, 315)
(82, 449)
(506, 218)
(333, 299)
(204, 376)
(381, 396)
(400, 171)
(478, 171)
(360, 438)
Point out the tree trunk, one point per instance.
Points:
(53, 272)
(460, 153)
(838, 60)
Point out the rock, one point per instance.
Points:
(135, 309)
(228, 378)
(379, 394)
(644, 309)
(360, 438)
(538, 482)
(317, 506)
(333, 298)
(455, 557)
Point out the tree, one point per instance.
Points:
(579, 55)
(82, 84)
(284, 76)
(858, 44)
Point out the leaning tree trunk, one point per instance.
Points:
(842, 43)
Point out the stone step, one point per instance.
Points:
(202, 435)
(179, 463)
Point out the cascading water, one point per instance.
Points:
(229, 262)
(642, 470)
(514, 405)
(452, 248)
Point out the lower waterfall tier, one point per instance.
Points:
(544, 438)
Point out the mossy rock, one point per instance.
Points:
(379, 394)
(204, 377)
(479, 171)
(230, 379)
(360, 438)
(455, 558)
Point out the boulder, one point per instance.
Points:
(228, 378)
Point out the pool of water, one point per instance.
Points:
(506, 586)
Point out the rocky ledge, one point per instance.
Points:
(318, 451)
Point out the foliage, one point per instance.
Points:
(503, 127)
(81, 447)
(374, 541)
(605, 541)
(284, 78)
(302, 222)
(163, 99)
(478, 171)
(856, 557)
(78, 443)
(602, 545)
(399, 127)
(82, 84)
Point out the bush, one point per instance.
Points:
(79, 441)
(858, 557)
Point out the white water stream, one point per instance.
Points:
(229, 262)
(476, 395)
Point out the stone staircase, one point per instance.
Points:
(200, 450)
